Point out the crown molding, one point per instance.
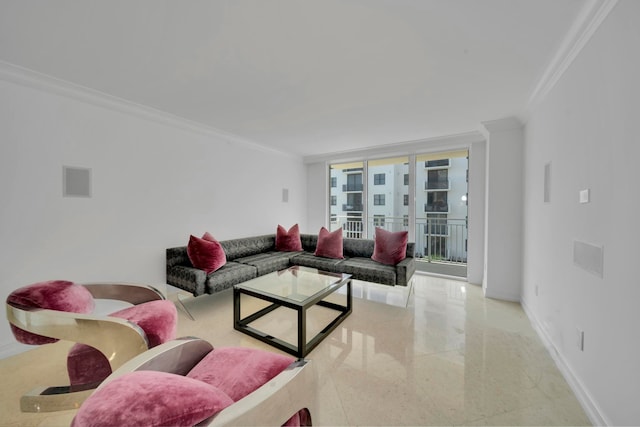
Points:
(420, 146)
(586, 24)
(46, 83)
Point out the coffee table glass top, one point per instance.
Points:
(296, 283)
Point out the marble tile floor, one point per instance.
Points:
(435, 353)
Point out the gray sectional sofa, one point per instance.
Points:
(251, 257)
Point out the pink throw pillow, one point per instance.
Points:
(390, 247)
(60, 295)
(206, 254)
(329, 244)
(149, 398)
(238, 371)
(288, 241)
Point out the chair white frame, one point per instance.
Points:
(118, 339)
(273, 403)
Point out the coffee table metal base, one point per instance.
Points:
(304, 347)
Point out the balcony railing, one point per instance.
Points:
(352, 208)
(439, 207)
(442, 239)
(352, 187)
(437, 239)
(437, 185)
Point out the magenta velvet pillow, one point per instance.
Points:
(60, 295)
(238, 371)
(390, 247)
(329, 244)
(206, 253)
(149, 398)
(288, 241)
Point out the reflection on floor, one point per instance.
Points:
(434, 353)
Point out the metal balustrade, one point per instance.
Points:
(437, 239)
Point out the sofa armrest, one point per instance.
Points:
(187, 278)
(405, 270)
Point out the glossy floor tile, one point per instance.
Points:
(435, 353)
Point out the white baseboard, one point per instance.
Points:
(588, 405)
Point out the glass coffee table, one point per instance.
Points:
(297, 288)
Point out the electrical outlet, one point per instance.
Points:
(580, 339)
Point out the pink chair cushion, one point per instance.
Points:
(288, 241)
(329, 244)
(158, 319)
(390, 247)
(60, 295)
(239, 371)
(149, 398)
(206, 254)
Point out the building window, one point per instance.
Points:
(354, 182)
(406, 200)
(436, 202)
(334, 218)
(334, 200)
(378, 199)
(405, 220)
(437, 179)
(378, 220)
(436, 163)
(379, 179)
(406, 179)
(334, 182)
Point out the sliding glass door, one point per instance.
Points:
(425, 194)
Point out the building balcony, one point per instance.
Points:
(439, 207)
(352, 208)
(437, 185)
(352, 187)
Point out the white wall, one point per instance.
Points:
(317, 191)
(153, 184)
(503, 210)
(587, 127)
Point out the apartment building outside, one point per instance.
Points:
(430, 199)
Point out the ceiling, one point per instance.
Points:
(301, 76)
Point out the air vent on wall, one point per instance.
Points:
(76, 182)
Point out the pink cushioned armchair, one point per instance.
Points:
(187, 382)
(55, 310)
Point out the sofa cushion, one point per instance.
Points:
(307, 259)
(358, 247)
(390, 247)
(329, 244)
(231, 274)
(369, 270)
(149, 398)
(267, 262)
(288, 241)
(59, 295)
(309, 242)
(206, 253)
(238, 371)
(246, 246)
